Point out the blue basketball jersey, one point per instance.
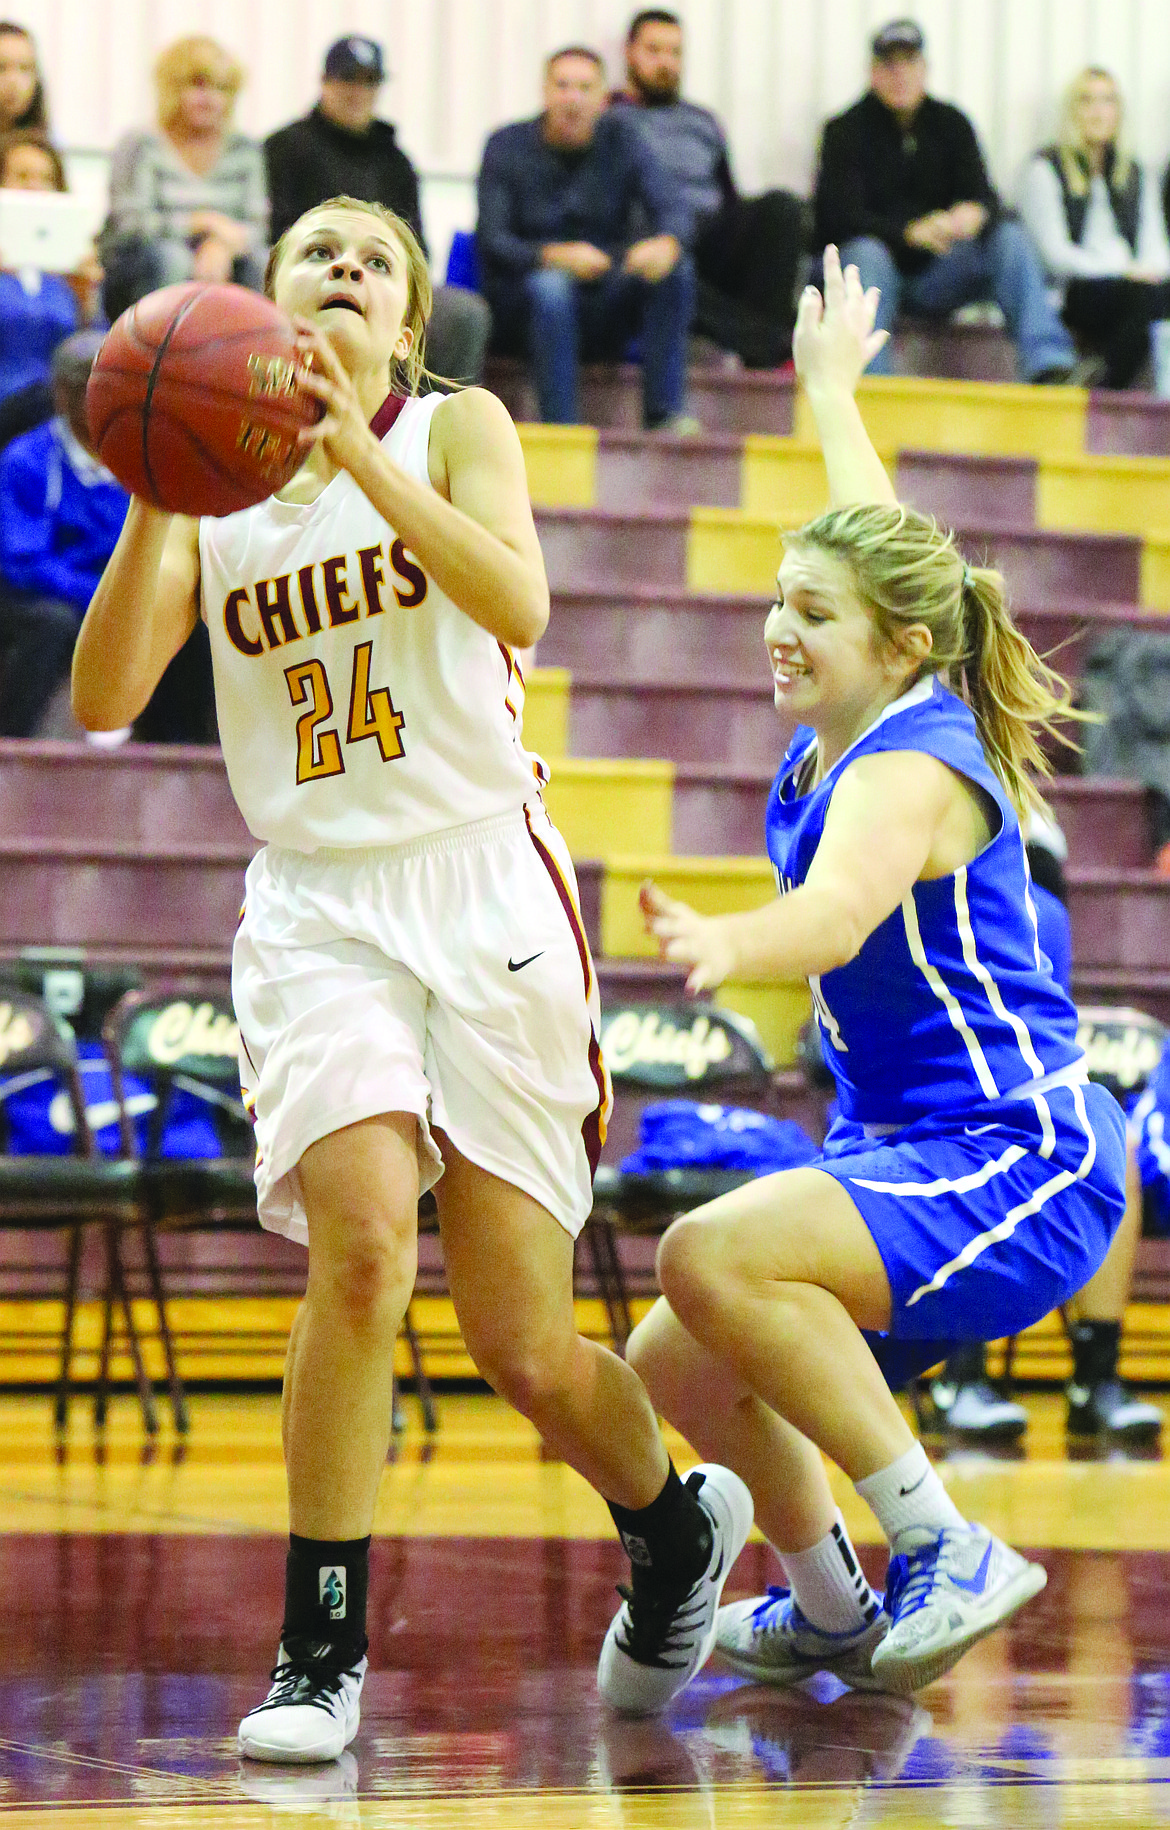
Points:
(951, 1001)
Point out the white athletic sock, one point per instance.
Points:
(909, 1501)
(828, 1583)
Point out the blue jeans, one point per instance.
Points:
(1001, 265)
(567, 319)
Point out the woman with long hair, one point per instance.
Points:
(974, 1178)
(188, 198)
(22, 87)
(1096, 216)
(416, 1000)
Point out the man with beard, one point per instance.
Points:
(746, 249)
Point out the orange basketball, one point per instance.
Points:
(194, 401)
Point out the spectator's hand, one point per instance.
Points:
(213, 261)
(653, 258)
(234, 235)
(966, 221)
(701, 942)
(930, 232)
(834, 337)
(580, 258)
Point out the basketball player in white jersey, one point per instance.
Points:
(416, 999)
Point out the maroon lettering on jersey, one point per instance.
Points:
(340, 608)
(412, 576)
(273, 605)
(235, 629)
(309, 600)
(372, 578)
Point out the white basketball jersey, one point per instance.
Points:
(357, 704)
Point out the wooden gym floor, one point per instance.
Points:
(140, 1596)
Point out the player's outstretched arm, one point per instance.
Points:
(143, 610)
(831, 345)
(882, 823)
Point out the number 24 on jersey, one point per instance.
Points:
(371, 715)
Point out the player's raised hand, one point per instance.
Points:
(835, 337)
(343, 428)
(688, 938)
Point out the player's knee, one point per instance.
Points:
(688, 1266)
(529, 1374)
(368, 1274)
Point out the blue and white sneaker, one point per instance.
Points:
(953, 1590)
(770, 1640)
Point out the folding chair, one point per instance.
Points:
(691, 1051)
(185, 1040)
(63, 1193)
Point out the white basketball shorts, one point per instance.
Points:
(450, 978)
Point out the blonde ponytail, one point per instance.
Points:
(907, 570)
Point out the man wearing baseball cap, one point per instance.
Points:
(903, 191)
(341, 148)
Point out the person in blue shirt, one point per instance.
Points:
(60, 516)
(566, 263)
(974, 1177)
(37, 310)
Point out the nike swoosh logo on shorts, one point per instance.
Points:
(518, 965)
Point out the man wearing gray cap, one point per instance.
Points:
(340, 148)
(60, 516)
(903, 192)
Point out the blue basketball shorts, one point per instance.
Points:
(986, 1219)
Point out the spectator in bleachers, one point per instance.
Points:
(341, 149)
(60, 516)
(746, 250)
(1096, 218)
(903, 191)
(188, 198)
(565, 203)
(22, 89)
(37, 310)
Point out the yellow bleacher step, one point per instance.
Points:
(546, 710)
(715, 886)
(1109, 495)
(561, 462)
(730, 550)
(594, 803)
(784, 479)
(1155, 573)
(996, 418)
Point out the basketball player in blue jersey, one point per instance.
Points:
(974, 1178)
(416, 1001)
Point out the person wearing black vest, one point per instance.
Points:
(1095, 216)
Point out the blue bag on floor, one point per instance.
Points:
(678, 1134)
(1149, 1124)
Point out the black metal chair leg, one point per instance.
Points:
(610, 1280)
(101, 1395)
(61, 1411)
(118, 1283)
(154, 1271)
(423, 1384)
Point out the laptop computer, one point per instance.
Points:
(51, 230)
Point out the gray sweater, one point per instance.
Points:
(153, 194)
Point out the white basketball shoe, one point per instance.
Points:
(770, 1640)
(312, 1711)
(659, 1638)
(942, 1597)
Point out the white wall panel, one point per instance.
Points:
(774, 69)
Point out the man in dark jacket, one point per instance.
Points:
(903, 192)
(341, 149)
(746, 249)
(565, 203)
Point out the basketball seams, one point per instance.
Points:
(186, 306)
